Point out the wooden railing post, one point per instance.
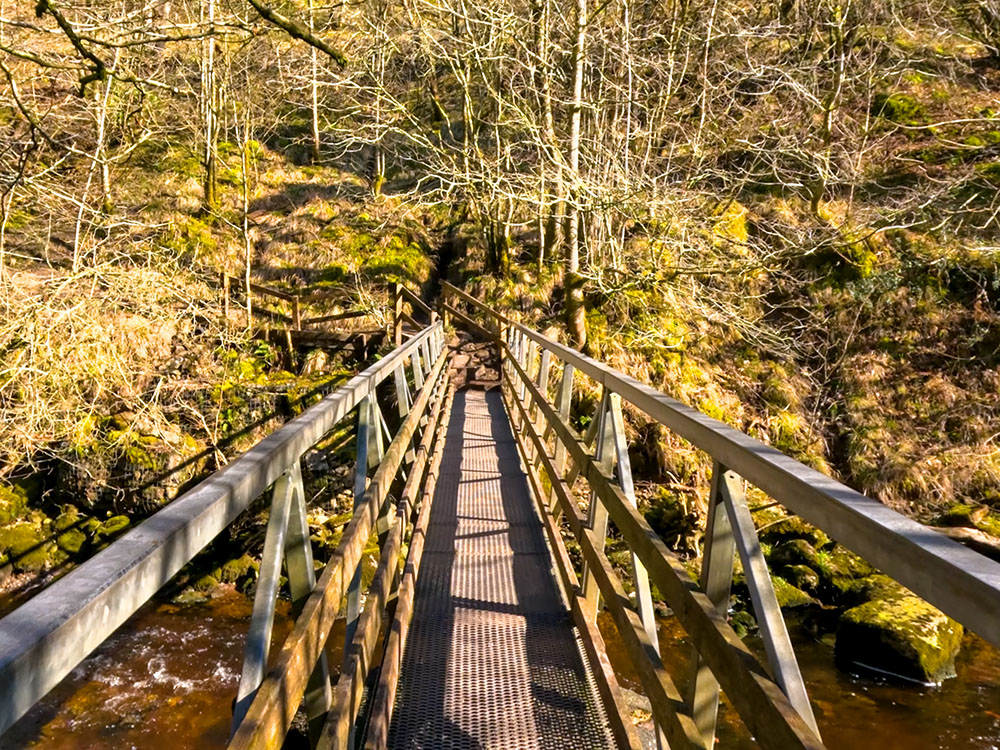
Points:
(296, 313)
(367, 455)
(730, 530)
(445, 304)
(395, 289)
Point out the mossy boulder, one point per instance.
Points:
(15, 498)
(237, 571)
(904, 636)
(742, 622)
(72, 541)
(836, 568)
(113, 526)
(793, 527)
(876, 587)
(28, 549)
(962, 514)
(793, 552)
(790, 596)
(127, 464)
(802, 577)
(205, 583)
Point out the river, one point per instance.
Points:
(167, 678)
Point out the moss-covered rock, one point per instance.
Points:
(72, 541)
(802, 577)
(14, 500)
(790, 596)
(114, 526)
(793, 552)
(904, 636)
(793, 527)
(205, 583)
(238, 570)
(742, 622)
(28, 548)
(876, 587)
(963, 514)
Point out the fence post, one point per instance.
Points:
(287, 537)
(296, 313)
(397, 313)
(445, 300)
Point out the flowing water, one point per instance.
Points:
(168, 678)
(855, 713)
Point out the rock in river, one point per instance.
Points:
(903, 636)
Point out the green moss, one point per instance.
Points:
(793, 552)
(876, 587)
(802, 577)
(793, 527)
(904, 636)
(13, 503)
(72, 541)
(742, 622)
(28, 549)
(790, 596)
(237, 570)
(670, 517)
(189, 237)
(962, 514)
(114, 526)
(205, 583)
(901, 109)
(990, 173)
(990, 524)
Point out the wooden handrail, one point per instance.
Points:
(760, 702)
(295, 320)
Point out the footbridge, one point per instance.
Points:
(491, 514)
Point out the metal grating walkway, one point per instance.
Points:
(492, 659)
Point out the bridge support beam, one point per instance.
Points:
(729, 531)
(287, 538)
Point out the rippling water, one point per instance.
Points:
(167, 678)
(855, 713)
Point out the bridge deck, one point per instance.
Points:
(492, 660)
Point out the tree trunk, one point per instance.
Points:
(576, 321)
(314, 91)
(210, 114)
